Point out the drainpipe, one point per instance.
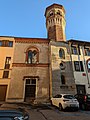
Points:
(50, 72)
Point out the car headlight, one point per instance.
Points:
(21, 118)
(18, 118)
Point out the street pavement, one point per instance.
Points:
(48, 112)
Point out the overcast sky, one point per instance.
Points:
(25, 18)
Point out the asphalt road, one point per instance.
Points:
(48, 112)
(52, 113)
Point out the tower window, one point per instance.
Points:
(58, 12)
(51, 20)
(61, 53)
(56, 19)
(51, 13)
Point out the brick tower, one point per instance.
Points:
(55, 22)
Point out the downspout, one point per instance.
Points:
(50, 73)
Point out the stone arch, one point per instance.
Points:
(62, 53)
(32, 55)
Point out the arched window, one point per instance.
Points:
(62, 79)
(58, 12)
(61, 53)
(32, 55)
(50, 13)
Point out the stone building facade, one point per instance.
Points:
(39, 68)
(61, 74)
(30, 73)
(61, 69)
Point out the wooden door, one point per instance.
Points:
(3, 90)
(30, 90)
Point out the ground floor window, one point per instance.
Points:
(81, 89)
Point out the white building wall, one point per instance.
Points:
(81, 78)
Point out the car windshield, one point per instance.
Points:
(69, 96)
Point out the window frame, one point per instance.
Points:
(7, 64)
(51, 13)
(78, 66)
(33, 50)
(6, 43)
(87, 51)
(0, 43)
(75, 49)
(5, 74)
(10, 44)
(58, 12)
(61, 53)
(63, 81)
(30, 81)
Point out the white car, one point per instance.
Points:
(64, 101)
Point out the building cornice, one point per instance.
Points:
(79, 42)
(55, 6)
(31, 40)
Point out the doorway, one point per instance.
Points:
(30, 89)
(81, 89)
(3, 91)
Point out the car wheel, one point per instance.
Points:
(60, 107)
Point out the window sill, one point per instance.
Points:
(64, 86)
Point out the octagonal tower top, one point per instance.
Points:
(55, 22)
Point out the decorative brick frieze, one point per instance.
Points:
(31, 40)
